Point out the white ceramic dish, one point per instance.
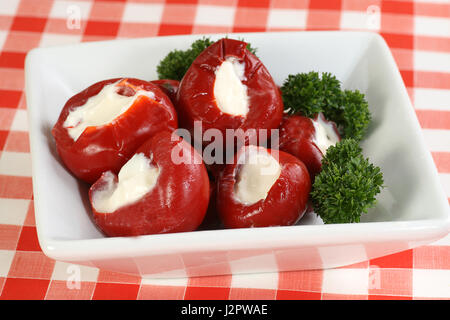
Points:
(412, 210)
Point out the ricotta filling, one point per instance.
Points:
(229, 91)
(325, 134)
(256, 176)
(135, 179)
(100, 109)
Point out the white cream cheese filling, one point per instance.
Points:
(257, 175)
(100, 109)
(325, 135)
(136, 178)
(229, 91)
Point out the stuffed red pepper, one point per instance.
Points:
(227, 87)
(100, 128)
(308, 139)
(154, 192)
(262, 188)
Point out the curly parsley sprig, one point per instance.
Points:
(347, 185)
(309, 94)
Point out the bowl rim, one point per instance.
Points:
(226, 240)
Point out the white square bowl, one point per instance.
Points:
(412, 210)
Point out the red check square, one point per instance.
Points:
(101, 28)
(115, 291)
(206, 293)
(254, 4)
(24, 289)
(12, 59)
(403, 41)
(402, 259)
(3, 136)
(402, 7)
(408, 77)
(28, 240)
(32, 24)
(172, 29)
(297, 295)
(9, 98)
(325, 5)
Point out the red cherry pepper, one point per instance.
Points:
(108, 147)
(178, 201)
(297, 137)
(284, 204)
(196, 100)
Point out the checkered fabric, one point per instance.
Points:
(418, 34)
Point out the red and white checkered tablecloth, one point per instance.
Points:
(418, 33)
